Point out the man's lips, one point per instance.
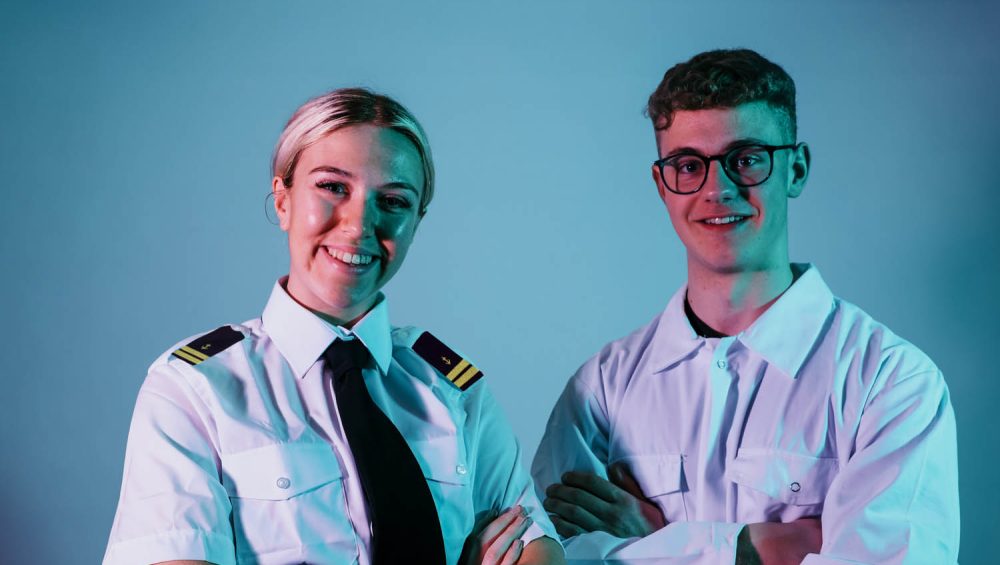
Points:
(723, 219)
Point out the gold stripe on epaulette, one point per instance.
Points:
(457, 370)
(468, 374)
(183, 355)
(194, 353)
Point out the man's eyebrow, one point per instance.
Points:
(332, 169)
(729, 146)
(743, 142)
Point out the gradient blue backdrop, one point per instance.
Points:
(134, 151)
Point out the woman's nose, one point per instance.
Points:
(357, 215)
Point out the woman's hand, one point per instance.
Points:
(498, 543)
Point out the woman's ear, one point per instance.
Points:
(282, 204)
(799, 170)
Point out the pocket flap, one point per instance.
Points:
(656, 474)
(789, 477)
(280, 471)
(439, 460)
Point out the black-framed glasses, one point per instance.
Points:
(746, 165)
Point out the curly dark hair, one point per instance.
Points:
(723, 78)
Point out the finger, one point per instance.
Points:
(591, 483)
(573, 513)
(499, 546)
(484, 520)
(624, 480)
(501, 522)
(582, 498)
(513, 553)
(566, 528)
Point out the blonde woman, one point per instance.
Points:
(318, 432)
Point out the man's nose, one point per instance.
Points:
(718, 186)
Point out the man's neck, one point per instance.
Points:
(730, 302)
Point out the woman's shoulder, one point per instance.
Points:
(428, 357)
(209, 344)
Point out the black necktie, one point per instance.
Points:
(405, 525)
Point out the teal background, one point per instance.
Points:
(134, 150)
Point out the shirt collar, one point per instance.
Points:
(301, 336)
(674, 339)
(785, 333)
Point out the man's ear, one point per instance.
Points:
(799, 170)
(658, 180)
(282, 204)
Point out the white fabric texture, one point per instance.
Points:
(242, 459)
(814, 410)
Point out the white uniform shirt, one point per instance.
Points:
(242, 458)
(814, 410)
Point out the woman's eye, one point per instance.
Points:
(395, 202)
(332, 186)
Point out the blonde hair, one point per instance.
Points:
(344, 107)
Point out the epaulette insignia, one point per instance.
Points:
(460, 372)
(208, 345)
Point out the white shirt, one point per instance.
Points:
(242, 458)
(814, 410)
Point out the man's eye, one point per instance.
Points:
(747, 160)
(332, 186)
(688, 166)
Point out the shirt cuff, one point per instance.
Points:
(167, 546)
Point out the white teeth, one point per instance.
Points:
(350, 258)
(725, 220)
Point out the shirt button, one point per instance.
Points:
(796, 487)
(284, 483)
(461, 470)
(720, 364)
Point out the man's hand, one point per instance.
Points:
(584, 502)
(498, 542)
(772, 543)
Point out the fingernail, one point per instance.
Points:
(524, 511)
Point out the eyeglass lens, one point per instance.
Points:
(745, 166)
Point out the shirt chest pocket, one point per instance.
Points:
(786, 478)
(661, 478)
(448, 476)
(286, 497)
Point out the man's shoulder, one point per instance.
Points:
(620, 357)
(855, 333)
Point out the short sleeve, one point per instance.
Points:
(172, 503)
(501, 479)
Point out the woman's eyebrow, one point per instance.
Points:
(332, 169)
(400, 184)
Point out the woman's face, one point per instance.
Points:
(350, 214)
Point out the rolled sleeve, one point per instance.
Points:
(172, 503)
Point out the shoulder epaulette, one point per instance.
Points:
(208, 345)
(459, 371)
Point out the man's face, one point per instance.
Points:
(728, 228)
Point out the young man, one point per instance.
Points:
(759, 418)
